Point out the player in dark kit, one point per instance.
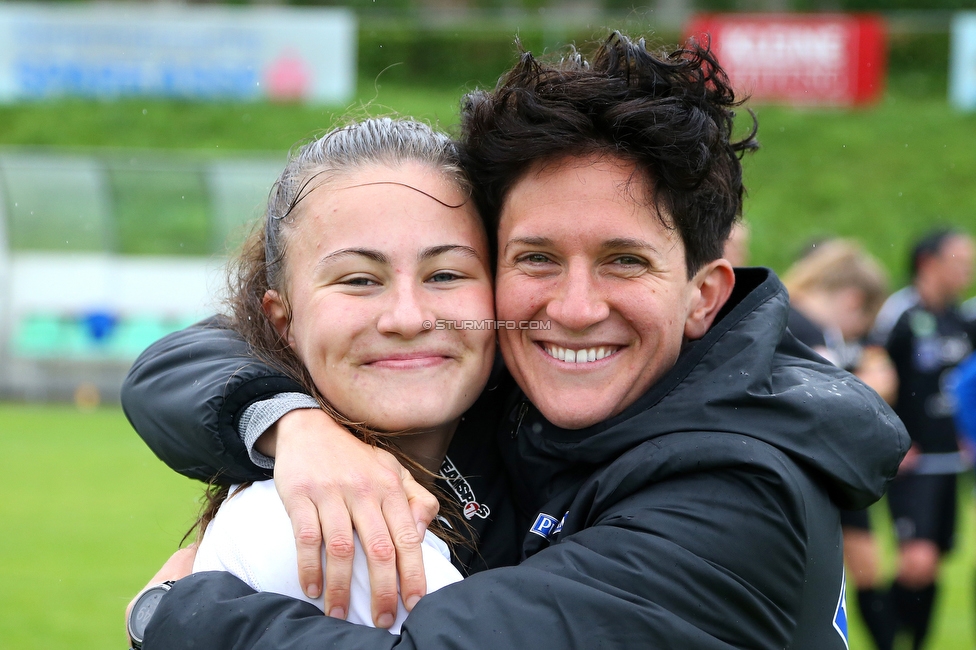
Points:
(926, 342)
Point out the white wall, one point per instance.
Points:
(66, 282)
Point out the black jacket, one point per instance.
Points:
(704, 516)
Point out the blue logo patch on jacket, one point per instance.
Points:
(544, 525)
(840, 613)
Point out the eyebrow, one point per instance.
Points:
(529, 241)
(434, 251)
(368, 253)
(610, 244)
(381, 258)
(627, 242)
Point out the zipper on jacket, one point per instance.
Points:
(523, 409)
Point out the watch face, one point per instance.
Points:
(143, 611)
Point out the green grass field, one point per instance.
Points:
(89, 515)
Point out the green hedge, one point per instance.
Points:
(470, 55)
(919, 63)
(474, 55)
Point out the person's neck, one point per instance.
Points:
(428, 447)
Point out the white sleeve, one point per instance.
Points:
(251, 537)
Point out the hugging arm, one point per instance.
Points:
(186, 395)
(710, 561)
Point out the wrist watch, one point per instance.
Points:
(142, 612)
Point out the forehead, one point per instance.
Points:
(381, 205)
(585, 198)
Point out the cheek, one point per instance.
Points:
(481, 343)
(297, 333)
(655, 316)
(515, 353)
(472, 303)
(322, 334)
(519, 298)
(508, 340)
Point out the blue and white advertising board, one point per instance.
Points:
(962, 62)
(213, 52)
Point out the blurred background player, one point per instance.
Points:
(926, 336)
(836, 290)
(736, 249)
(964, 389)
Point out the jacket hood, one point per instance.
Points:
(748, 375)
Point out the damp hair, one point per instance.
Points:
(260, 267)
(668, 113)
(378, 141)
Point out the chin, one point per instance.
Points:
(417, 419)
(570, 419)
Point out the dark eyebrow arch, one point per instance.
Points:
(543, 242)
(434, 251)
(368, 253)
(627, 242)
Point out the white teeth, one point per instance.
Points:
(579, 356)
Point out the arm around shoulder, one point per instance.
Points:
(711, 561)
(186, 393)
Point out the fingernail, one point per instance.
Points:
(313, 591)
(385, 620)
(421, 528)
(412, 602)
(337, 612)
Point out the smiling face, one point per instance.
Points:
(577, 251)
(373, 260)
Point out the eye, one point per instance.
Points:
(358, 281)
(629, 261)
(533, 258)
(445, 276)
(627, 266)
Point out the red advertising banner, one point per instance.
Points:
(812, 59)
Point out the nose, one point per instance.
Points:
(404, 313)
(578, 303)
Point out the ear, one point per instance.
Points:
(713, 286)
(277, 312)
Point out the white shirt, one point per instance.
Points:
(252, 537)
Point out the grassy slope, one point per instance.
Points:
(209, 127)
(882, 174)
